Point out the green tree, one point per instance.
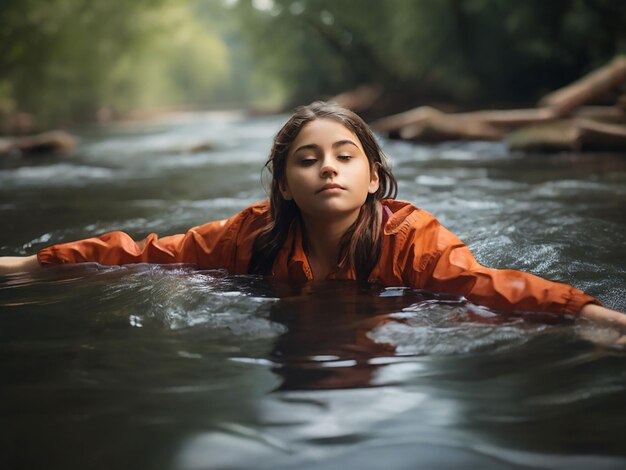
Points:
(62, 60)
(465, 51)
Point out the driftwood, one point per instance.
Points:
(438, 126)
(564, 121)
(595, 135)
(53, 141)
(549, 137)
(591, 127)
(393, 124)
(601, 113)
(509, 118)
(491, 122)
(588, 88)
(502, 119)
(569, 135)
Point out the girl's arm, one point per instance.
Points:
(516, 290)
(208, 246)
(603, 315)
(215, 245)
(438, 261)
(18, 264)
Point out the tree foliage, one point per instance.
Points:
(467, 51)
(64, 59)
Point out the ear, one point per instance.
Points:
(374, 180)
(284, 190)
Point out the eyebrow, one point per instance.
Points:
(339, 143)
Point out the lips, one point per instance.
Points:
(329, 186)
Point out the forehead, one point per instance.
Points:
(324, 132)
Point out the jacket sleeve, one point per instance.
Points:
(214, 245)
(450, 267)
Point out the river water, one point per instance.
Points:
(167, 367)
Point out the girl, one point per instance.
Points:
(331, 214)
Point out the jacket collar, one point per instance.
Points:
(292, 263)
(403, 212)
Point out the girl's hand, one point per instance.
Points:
(603, 315)
(606, 317)
(18, 264)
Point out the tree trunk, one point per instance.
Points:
(569, 135)
(601, 113)
(440, 127)
(589, 87)
(551, 137)
(53, 141)
(393, 124)
(601, 136)
(504, 119)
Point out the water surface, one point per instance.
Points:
(168, 367)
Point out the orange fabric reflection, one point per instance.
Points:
(417, 251)
(327, 343)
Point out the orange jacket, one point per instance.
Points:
(417, 251)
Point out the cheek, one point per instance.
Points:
(366, 173)
(296, 176)
(291, 183)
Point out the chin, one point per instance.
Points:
(335, 208)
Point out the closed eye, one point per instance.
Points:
(308, 161)
(344, 157)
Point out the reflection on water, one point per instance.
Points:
(326, 344)
(177, 368)
(170, 367)
(344, 335)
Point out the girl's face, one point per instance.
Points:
(327, 172)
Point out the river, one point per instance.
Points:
(168, 367)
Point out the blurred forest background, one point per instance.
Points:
(64, 62)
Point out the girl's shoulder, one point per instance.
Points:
(252, 218)
(404, 216)
(260, 208)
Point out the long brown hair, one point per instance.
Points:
(361, 244)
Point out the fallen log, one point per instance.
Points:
(504, 119)
(542, 128)
(515, 118)
(595, 135)
(395, 122)
(427, 124)
(588, 88)
(549, 137)
(439, 127)
(509, 118)
(53, 141)
(601, 113)
(569, 135)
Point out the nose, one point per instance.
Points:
(328, 170)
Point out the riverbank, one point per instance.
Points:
(587, 115)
